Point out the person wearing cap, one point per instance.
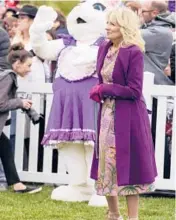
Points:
(10, 12)
(25, 18)
(28, 10)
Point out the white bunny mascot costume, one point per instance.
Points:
(72, 121)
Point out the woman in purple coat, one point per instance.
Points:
(124, 162)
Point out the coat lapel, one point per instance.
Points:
(102, 54)
(121, 67)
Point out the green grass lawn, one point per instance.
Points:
(41, 207)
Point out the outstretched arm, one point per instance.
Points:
(43, 21)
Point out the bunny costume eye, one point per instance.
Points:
(99, 6)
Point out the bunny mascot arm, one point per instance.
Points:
(41, 46)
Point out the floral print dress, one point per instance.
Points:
(107, 185)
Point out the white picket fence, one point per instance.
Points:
(150, 90)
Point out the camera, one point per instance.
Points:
(33, 115)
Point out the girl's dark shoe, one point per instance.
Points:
(30, 190)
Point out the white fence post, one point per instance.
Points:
(19, 139)
(147, 88)
(6, 129)
(147, 91)
(160, 135)
(34, 136)
(48, 152)
(173, 151)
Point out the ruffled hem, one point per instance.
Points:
(57, 136)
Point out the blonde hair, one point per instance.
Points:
(129, 26)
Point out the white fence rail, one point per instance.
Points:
(47, 176)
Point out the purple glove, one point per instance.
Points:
(94, 94)
(102, 90)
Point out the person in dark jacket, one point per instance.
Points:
(157, 34)
(19, 63)
(172, 63)
(60, 25)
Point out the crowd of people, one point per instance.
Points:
(18, 62)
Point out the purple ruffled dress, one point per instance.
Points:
(72, 115)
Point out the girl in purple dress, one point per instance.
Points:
(124, 161)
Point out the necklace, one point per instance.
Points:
(112, 52)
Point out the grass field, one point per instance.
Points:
(41, 207)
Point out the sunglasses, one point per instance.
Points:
(146, 11)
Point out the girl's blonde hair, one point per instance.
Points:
(129, 26)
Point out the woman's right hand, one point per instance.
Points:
(94, 94)
(27, 103)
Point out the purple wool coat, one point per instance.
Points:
(135, 161)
